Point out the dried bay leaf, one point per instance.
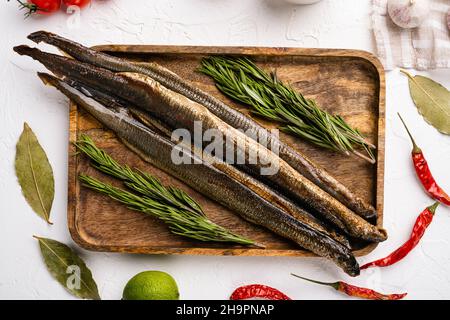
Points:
(34, 173)
(432, 100)
(68, 269)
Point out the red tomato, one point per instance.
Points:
(80, 3)
(42, 6)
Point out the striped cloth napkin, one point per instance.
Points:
(426, 47)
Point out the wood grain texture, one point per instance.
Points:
(346, 82)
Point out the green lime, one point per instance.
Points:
(151, 285)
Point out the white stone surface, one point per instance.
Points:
(425, 274)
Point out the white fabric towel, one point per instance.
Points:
(425, 47)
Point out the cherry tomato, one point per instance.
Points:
(79, 3)
(41, 6)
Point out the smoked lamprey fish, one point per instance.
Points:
(210, 181)
(234, 118)
(180, 112)
(256, 186)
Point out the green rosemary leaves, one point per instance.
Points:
(242, 80)
(146, 194)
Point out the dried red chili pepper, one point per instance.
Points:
(424, 173)
(422, 223)
(258, 291)
(355, 291)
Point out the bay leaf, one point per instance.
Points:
(34, 173)
(432, 100)
(68, 269)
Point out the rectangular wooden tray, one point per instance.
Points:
(346, 82)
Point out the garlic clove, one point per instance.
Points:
(408, 13)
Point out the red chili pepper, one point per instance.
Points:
(355, 291)
(424, 173)
(258, 291)
(422, 223)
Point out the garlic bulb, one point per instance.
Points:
(408, 13)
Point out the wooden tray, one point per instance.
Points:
(346, 82)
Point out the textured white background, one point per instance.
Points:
(425, 274)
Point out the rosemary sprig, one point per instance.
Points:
(177, 209)
(242, 80)
(140, 182)
(180, 222)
